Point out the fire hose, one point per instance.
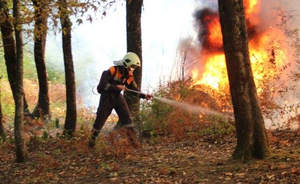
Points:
(138, 92)
(186, 107)
(134, 91)
(130, 90)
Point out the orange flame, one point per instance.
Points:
(265, 55)
(214, 37)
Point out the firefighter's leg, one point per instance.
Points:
(118, 125)
(132, 137)
(122, 110)
(103, 111)
(126, 121)
(94, 135)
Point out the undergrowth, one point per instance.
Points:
(158, 119)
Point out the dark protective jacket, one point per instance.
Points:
(117, 75)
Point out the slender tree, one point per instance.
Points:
(134, 44)
(21, 152)
(40, 35)
(10, 49)
(252, 141)
(2, 131)
(66, 25)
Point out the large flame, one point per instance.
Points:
(266, 55)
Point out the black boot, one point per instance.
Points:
(92, 140)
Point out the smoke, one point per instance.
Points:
(267, 17)
(284, 16)
(269, 12)
(279, 21)
(204, 18)
(163, 24)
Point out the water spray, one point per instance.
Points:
(186, 107)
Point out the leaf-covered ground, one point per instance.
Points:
(60, 160)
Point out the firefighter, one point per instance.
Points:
(112, 82)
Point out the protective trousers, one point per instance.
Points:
(108, 102)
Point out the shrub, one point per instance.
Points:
(159, 119)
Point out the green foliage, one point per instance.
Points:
(35, 141)
(45, 135)
(29, 67)
(3, 138)
(56, 123)
(3, 72)
(8, 109)
(105, 166)
(55, 75)
(217, 128)
(159, 119)
(57, 152)
(153, 115)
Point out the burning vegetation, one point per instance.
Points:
(204, 82)
(267, 53)
(273, 54)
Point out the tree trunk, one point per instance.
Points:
(71, 117)
(21, 152)
(10, 50)
(134, 44)
(2, 131)
(42, 109)
(252, 141)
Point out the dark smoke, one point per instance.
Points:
(203, 18)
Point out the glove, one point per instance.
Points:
(148, 97)
(145, 96)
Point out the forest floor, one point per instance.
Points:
(161, 160)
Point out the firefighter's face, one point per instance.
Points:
(132, 68)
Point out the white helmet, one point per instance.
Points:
(131, 59)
